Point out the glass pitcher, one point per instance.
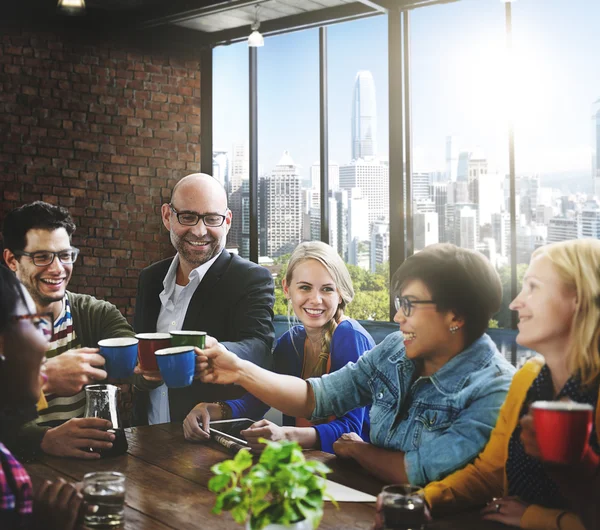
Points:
(101, 402)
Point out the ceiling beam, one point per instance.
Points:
(183, 10)
(307, 20)
(375, 4)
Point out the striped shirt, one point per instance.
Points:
(61, 409)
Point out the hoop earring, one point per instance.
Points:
(454, 329)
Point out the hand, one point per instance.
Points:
(75, 437)
(70, 371)
(209, 342)
(199, 415)
(148, 375)
(528, 438)
(263, 429)
(346, 444)
(57, 506)
(218, 365)
(507, 510)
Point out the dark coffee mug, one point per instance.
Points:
(562, 429)
(149, 343)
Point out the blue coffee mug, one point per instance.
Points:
(177, 365)
(120, 355)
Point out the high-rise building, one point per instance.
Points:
(563, 229)
(426, 229)
(380, 244)
(338, 211)
(372, 177)
(590, 222)
(221, 167)
(501, 233)
(439, 195)
(284, 214)
(238, 172)
(364, 116)
(420, 186)
(596, 146)
(358, 226)
(460, 229)
(452, 150)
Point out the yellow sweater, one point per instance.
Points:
(485, 478)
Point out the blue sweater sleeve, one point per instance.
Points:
(348, 343)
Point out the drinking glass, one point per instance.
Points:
(403, 507)
(105, 492)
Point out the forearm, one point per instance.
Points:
(307, 437)
(291, 395)
(386, 465)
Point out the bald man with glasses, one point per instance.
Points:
(203, 288)
(38, 249)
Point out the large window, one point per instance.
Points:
(358, 159)
(230, 137)
(557, 119)
(288, 139)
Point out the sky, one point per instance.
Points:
(460, 83)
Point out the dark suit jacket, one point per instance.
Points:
(233, 303)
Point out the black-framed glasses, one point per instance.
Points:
(43, 258)
(406, 304)
(186, 218)
(43, 322)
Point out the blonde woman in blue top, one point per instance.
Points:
(318, 287)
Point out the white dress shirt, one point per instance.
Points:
(174, 301)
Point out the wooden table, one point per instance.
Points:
(167, 481)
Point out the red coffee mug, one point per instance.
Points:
(149, 343)
(562, 429)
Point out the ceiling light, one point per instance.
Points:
(255, 40)
(71, 7)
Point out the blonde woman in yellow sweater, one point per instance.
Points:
(559, 317)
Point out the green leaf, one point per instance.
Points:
(218, 483)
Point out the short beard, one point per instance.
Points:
(191, 258)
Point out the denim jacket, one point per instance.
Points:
(441, 422)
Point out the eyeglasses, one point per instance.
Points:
(43, 258)
(192, 218)
(43, 322)
(406, 304)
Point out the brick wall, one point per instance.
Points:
(105, 131)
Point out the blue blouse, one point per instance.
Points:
(350, 340)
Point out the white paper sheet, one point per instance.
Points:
(344, 494)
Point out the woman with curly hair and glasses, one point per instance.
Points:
(559, 317)
(435, 387)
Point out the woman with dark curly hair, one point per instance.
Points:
(435, 387)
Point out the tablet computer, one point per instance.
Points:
(231, 429)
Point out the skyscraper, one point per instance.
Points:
(452, 150)
(364, 116)
(596, 146)
(373, 179)
(284, 208)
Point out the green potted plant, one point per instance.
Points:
(282, 490)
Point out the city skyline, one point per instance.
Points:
(456, 88)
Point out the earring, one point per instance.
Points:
(454, 329)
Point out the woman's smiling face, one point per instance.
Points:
(313, 294)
